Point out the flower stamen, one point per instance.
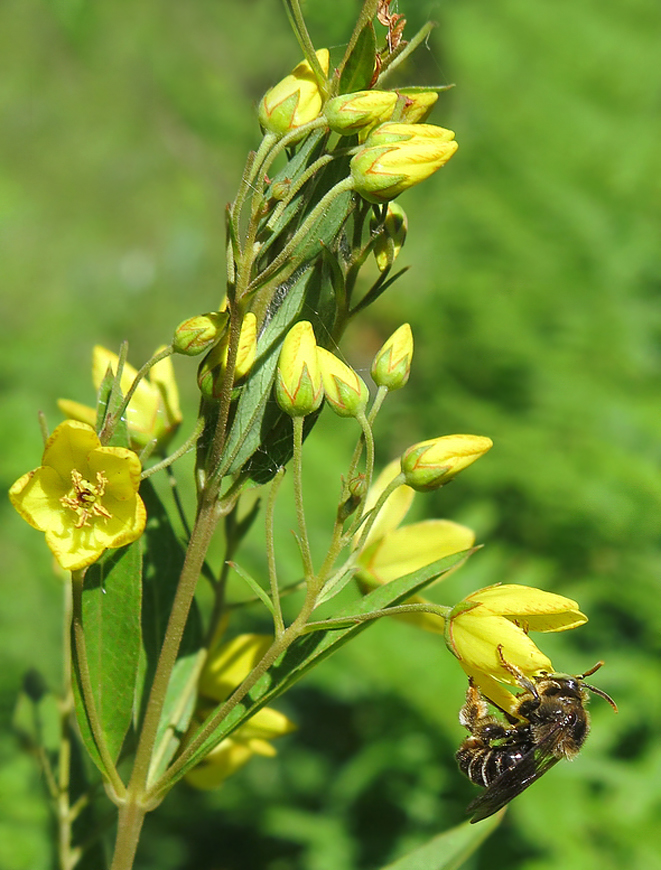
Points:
(84, 498)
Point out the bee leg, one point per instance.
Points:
(521, 678)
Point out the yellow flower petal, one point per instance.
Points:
(77, 411)
(36, 496)
(231, 663)
(68, 448)
(409, 548)
(534, 609)
(475, 636)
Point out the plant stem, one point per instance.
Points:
(299, 27)
(397, 610)
(297, 468)
(278, 622)
(131, 817)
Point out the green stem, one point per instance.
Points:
(64, 815)
(87, 689)
(297, 468)
(358, 618)
(299, 27)
(188, 445)
(408, 49)
(131, 818)
(278, 622)
(374, 513)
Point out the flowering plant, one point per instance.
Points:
(157, 691)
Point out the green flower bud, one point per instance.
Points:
(295, 100)
(433, 463)
(398, 156)
(391, 238)
(298, 387)
(346, 392)
(350, 113)
(198, 333)
(392, 364)
(357, 487)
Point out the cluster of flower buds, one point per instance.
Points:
(390, 235)
(212, 369)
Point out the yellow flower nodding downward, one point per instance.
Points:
(83, 496)
(346, 392)
(492, 624)
(430, 464)
(226, 668)
(392, 550)
(398, 156)
(295, 100)
(298, 387)
(153, 412)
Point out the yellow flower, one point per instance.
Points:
(398, 156)
(298, 387)
(83, 496)
(392, 550)
(295, 100)
(226, 668)
(493, 624)
(153, 412)
(430, 464)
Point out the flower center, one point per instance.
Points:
(84, 498)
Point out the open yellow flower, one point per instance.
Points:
(83, 496)
(153, 412)
(227, 666)
(392, 550)
(492, 624)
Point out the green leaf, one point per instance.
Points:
(358, 67)
(246, 434)
(254, 585)
(448, 850)
(111, 621)
(108, 401)
(310, 649)
(164, 559)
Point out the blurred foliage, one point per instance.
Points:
(535, 299)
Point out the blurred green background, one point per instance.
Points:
(535, 300)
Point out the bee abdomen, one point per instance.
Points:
(484, 764)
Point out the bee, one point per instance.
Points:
(550, 723)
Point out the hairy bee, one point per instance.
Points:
(550, 723)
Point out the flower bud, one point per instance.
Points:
(198, 333)
(418, 106)
(345, 391)
(357, 487)
(298, 387)
(295, 100)
(433, 463)
(392, 364)
(350, 113)
(398, 156)
(391, 237)
(211, 370)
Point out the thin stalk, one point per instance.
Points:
(64, 815)
(313, 168)
(409, 48)
(131, 818)
(188, 445)
(293, 9)
(297, 469)
(371, 519)
(358, 618)
(278, 622)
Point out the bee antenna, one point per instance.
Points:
(591, 671)
(603, 695)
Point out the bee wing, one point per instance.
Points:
(534, 764)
